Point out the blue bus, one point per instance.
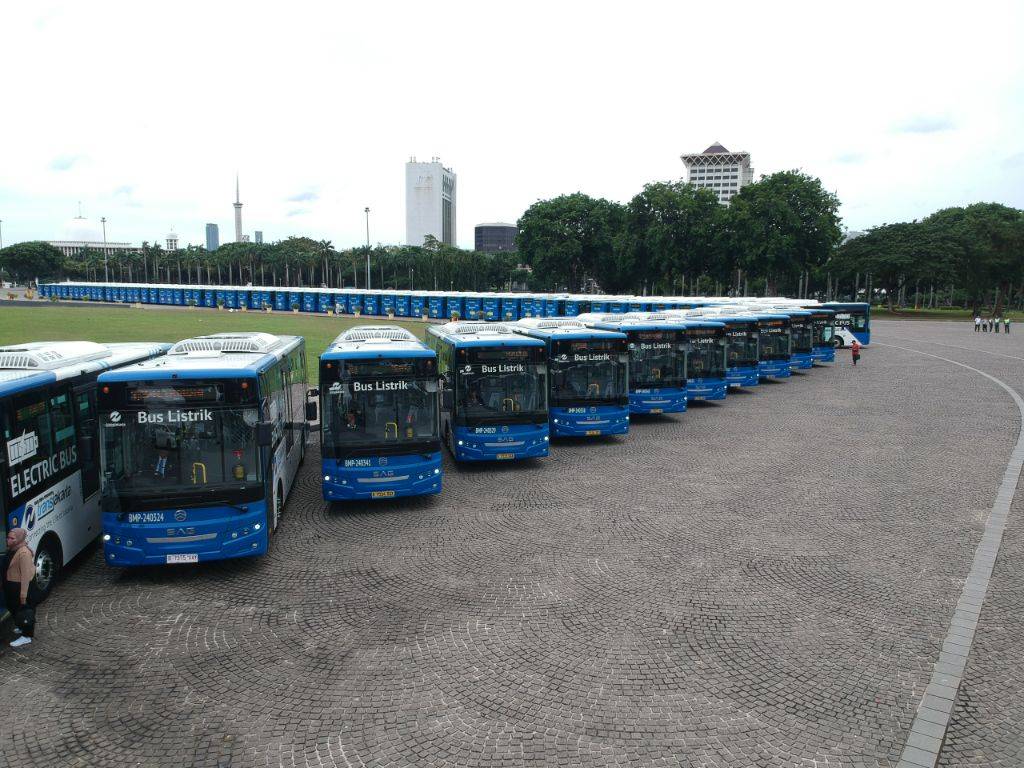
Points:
(588, 377)
(741, 343)
(706, 372)
(822, 334)
(801, 335)
(657, 360)
(774, 346)
(498, 409)
(380, 415)
(200, 448)
(50, 465)
(855, 317)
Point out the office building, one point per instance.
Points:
(212, 237)
(723, 172)
(495, 238)
(80, 234)
(429, 202)
(258, 236)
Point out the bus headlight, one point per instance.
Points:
(437, 471)
(128, 543)
(327, 478)
(257, 526)
(106, 537)
(546, 438)
(460, 442)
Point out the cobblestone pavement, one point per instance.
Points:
(987, 727)
(761, 582)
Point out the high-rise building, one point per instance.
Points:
(429, 202)
(258, 235)
(495, 238)
(238, 213)
(212, 237)
(723, 172)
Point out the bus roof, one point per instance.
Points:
(368, 341)
(642, 321)
(24, 366)
(237, 355)
(567, 328)
(482, 334)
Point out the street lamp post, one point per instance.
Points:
(367, 211)
(106, 272)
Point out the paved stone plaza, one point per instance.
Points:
(761, 582)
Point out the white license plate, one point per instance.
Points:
(502, 456)
(186, 558)
(382, 494)
(593, 432)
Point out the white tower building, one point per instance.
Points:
(238, 213)
(172, 241)
(429, 202)
(716, 168)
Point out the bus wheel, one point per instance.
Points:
(837, 342)
(278, 507)
(49, 559)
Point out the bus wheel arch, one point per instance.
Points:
(49, 561)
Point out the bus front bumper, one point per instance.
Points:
(381, 477)
(706, 389)
(742, 377)
(774, 369)
(218, 533)
(801, 361)
(824, 354)
(595, 421)
(508, 443)
(653, 402)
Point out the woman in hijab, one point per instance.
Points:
(17, 577)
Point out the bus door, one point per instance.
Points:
(84, 404)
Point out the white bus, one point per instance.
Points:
(49, 465)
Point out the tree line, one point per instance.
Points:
(294, 261)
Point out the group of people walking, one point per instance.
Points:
(990, 324)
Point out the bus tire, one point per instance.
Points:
(278, 507)
(49, 561)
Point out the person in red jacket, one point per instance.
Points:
(855, 351)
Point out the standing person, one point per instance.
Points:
(1006, 325)
(977, 323)
(18, 586)
(855, 351)
(995, 324)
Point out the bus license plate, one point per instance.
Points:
(593, 432)
(657, 410)
(186, 558)
(381, 494)
(505, 456)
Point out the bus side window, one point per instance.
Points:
(63, 420)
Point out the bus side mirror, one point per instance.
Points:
(264, 433)
(447, 399)
(311, 411)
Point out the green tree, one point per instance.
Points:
(30, 260)
(569, 239)
(671, 229)
(783, 226)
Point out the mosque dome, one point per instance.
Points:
(80, 229)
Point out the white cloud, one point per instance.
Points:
(523, 101)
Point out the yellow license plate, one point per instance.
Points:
(505, 456)
(657, 410)
(593, 432)
(382, 494)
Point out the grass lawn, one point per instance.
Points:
(55, 323)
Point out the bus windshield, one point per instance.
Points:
(656, 359)
(379, 413)
(822, 332)
(707, 354)
(172, 454)
(774, 340)
(502, 385)
(588, 371)
(801, 335)
(741, 349)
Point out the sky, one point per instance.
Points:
(145, 112)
